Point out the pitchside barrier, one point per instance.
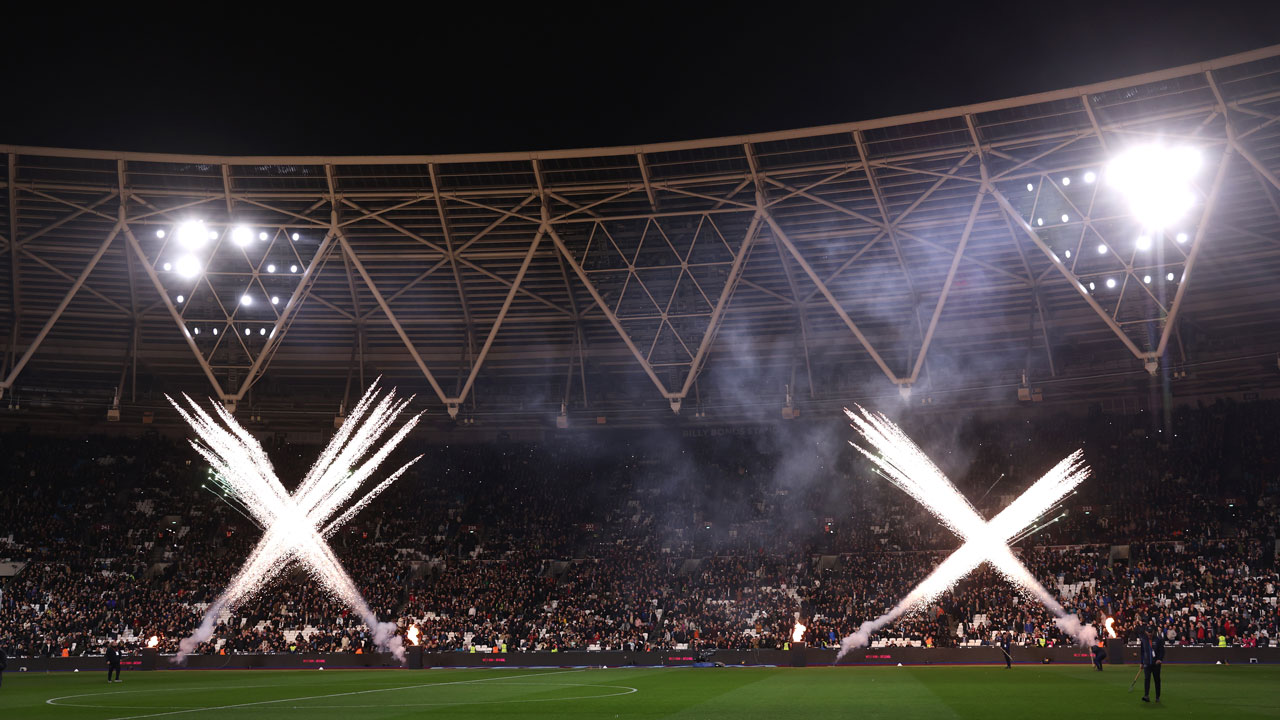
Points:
(812, 657)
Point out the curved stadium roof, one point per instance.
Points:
(906, 254)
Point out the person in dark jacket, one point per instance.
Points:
(1006, 646)
(1152, 658)
(1099, 654)
(113, 662)
(4, 663)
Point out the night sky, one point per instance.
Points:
(309, 80)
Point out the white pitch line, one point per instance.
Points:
(320, 697)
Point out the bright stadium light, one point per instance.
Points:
(1111, 282)
(1146, 279)
(1066, 181)
(1181, 238)
(275, 300)
(242, 236)
(1068, 254)
(246, 331)
(160, 233)
(296, 236)
(1090, 176)
(1102, 249)
(1092, 286)
(1156, 180)
(293, 268)
(1030, 187)
(215, 331)
(1065, 217)
(271, 268)
(1039, 221)
(168, 267)
(180, 299)
(262, 236)
(192, 235)
(1169, 277)
(1144, 242)
(262, 331)
(246, 300)
(188, 266)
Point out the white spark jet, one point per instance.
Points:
(293, 522)
(906, 466)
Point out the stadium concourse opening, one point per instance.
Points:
(619, 374)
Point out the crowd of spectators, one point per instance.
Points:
(657, 541)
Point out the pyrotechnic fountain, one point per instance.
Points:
(414, 635)
(1111, 631)
(905, 465)
(295, 524)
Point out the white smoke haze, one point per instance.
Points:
(293, 522)
(905, 465)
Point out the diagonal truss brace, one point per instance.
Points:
(674, 397)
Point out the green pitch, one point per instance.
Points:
(1040, 692)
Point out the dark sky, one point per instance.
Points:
(307, 79)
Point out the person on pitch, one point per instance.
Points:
(1006, 645)
(113, 662)
(1099, 654)
(1152, 658)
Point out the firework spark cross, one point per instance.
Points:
(295, 524)
(905, 465)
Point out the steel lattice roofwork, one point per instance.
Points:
(957, 255)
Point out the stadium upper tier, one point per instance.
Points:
(951, 255)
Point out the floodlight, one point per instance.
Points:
(1111, 282)
(188, 266)
(160, 233)
(1169, 277)
(242, 236)
(192, 235)
(1090, 176)
(1092, 286)
(271, 268)
(262, 331)
(1102, 249)
(293, 268)
(1039, 221)
(246, 300)
(180, 299)
(296, 236)
(1065, 217)
(215, 331)
(262, 236)
(275, 300)
(168, 267)
(1146, 279)
(1030, 187)
(1068, 254)
(1181, 238)
(246, 331)
(1066, 181)
(1156, 180)
(195, 330)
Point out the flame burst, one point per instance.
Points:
(797, 634)
(1111, 631)
(153, 641)
(295, 523)
(905, 465)
(414, 634)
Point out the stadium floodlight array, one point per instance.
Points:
(904, 464)
(295, 529)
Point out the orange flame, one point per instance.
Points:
(1110, 631)
(154, 641)
(798, 633)
(414, 634)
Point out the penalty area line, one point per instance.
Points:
(330, 695)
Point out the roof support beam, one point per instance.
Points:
(62, 306)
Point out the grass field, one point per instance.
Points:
(991, 693)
